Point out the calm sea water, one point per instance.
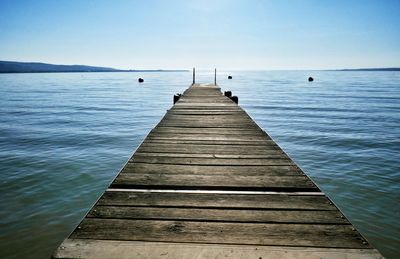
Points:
(64, 137)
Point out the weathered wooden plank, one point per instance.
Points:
(195, 149)
(204, 100)
(224, 215)
(208, 112)
(231, 116)
(205, 105)
(258, 138)
(189, 124)
(211, 200)
(179, 181)
(233, 171)
(215, 145)
(208, 119)
(99, 249)
(203, 93)
(226, 131)
(269, 148)
(314, 235)
(211, 142)
(199, 93)
(209, 161)
(276, 155)
(209, 123)
(188, 107)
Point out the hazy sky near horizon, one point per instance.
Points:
(235, 34)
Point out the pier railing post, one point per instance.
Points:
(194, 75)
(215, 76)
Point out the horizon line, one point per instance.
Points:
(212, 68)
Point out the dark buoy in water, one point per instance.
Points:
(140, 80)
(229, 77)
(310, 79)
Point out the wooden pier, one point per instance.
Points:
(208, 182)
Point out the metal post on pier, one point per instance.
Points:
(215, 76)
(194, 75)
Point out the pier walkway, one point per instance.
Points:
(208, 182)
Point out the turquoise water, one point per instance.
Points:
(64, 137)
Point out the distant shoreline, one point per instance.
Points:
(117, 71)
(369, 69)
(14, 67)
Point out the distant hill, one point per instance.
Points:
(36, 67)
(372, 69)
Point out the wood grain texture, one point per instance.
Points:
(210, 161)
(225, 131)
(251, 170)
(215, 182)
(99, 249)
(193, 136)
(211, 200)
(219, 215)
(314, 235)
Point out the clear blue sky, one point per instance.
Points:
(247, 34)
